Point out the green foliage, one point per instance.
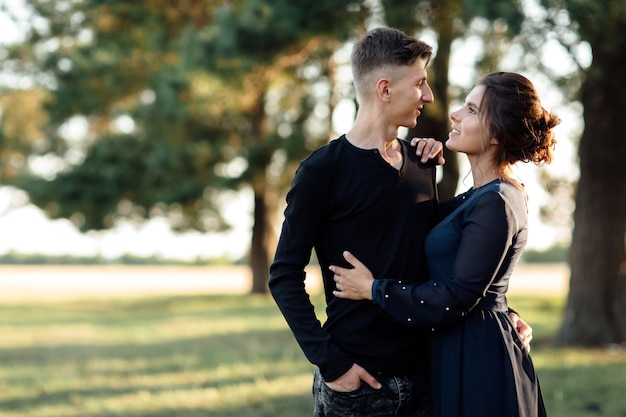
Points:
(593, 19)
(412, 16)
(504, 11)
(596, 22)
(122, 168)
(247, 34)
(222, 355)
(191, 85)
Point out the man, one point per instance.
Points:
(367, 191)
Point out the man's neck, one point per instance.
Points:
(370, 132)
(369, 136)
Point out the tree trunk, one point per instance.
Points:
(262, 240)
(260, 156)
(595, 314)
(434, 123)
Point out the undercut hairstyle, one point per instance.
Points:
(382, 49)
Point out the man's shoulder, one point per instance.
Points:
(325, 154)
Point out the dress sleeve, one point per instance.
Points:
(304, 216)
(485, 238)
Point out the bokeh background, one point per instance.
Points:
(145, 151)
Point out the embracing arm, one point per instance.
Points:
(358, 284)
(484, 241)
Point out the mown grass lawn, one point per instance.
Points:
(223, 355)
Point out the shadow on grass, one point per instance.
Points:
(234, 353)
(122, 312)
(42, 372)
(239, 358)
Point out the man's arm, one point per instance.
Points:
(304, 217)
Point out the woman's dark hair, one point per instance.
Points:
(514, 115)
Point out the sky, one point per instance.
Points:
(25, 229)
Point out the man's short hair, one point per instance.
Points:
(382, 48)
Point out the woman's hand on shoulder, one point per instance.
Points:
(428, 148)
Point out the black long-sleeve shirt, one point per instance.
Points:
(347, 198)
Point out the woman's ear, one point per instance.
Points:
(494, 141)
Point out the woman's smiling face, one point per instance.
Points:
(469, 133)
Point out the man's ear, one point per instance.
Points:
(382, 89)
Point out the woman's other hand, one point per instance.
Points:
(523, 328)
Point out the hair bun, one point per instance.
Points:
(516, 117)
(544, 139)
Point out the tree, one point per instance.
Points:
(102, 63)
(180, 102)
(595, 313)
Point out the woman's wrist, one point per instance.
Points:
(369, 294)
(373, 289)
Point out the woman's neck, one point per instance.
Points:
(484, 171)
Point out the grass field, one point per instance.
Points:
(223, 355)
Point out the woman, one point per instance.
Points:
(480, 367)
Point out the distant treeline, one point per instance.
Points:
(37, 259)
(554, 254)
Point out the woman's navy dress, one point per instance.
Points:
(479, 365)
